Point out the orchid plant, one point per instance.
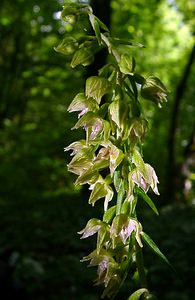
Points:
(110, 158)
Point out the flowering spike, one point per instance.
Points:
(110, 159)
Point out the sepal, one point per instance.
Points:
(154, 90)
(97, 87)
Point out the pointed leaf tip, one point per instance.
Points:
(137, 294)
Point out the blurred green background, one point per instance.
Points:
(40, 210)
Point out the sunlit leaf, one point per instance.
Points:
(114, 110)
(137, 294)
(96, 28)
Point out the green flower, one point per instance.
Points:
(154, 90)
(92, 227)
(83, 104)
(101, 190)
(82, 161)
(108, 270)
(122, 228)
(143, 175)
(145, 178)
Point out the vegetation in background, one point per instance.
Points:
(37, 199)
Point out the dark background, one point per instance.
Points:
(40, 210)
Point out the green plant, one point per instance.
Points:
(110, 159)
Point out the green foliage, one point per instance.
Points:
(40, 212)
(113, 144)
(136, 295)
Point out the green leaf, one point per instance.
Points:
(147, 199)
(127, 64)
(136, 295)
(117, 180)
(126, 42)
(109, 214)
(137, 159)
(114, 110)
(154, 247)
(102, 25)
(97, 87)
(96, 28)
(82, 56)
(120, 197)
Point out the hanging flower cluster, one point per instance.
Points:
(110, 111)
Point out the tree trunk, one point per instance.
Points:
(172, 163)
(102, 10)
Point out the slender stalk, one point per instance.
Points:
(120, 197)
(140, 266)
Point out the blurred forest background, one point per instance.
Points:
(40, 210)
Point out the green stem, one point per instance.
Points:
(120, 196)
(140, 266)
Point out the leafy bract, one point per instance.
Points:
(147, 199)
(154, 247)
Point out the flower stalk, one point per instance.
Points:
(115, 131)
